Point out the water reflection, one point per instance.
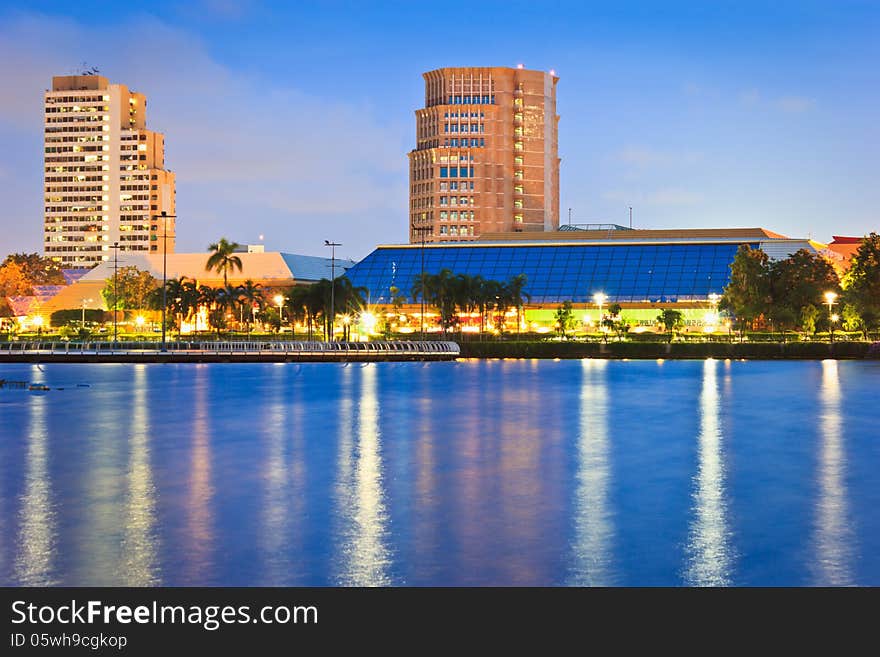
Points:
(139, 547)
(594, 528)
(834, 540)
(285, 490)
(200, 534)
(364, 559)
(710, 556)
(35, 558)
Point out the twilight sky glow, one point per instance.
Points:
(294, 121)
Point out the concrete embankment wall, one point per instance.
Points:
(756, 350)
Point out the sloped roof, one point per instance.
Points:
(635, 235)
(313, 268)
(271, 267)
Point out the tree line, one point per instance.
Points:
(462, 294)
(789, 294)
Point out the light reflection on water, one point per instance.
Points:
(364, 559)
(34, 563)
(139, 545)
(479, 472)
(834, 541)
(594, 524)
(710, 555)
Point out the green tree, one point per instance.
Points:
(130, 289)
(564, 318)
(672, 321)
(748, 294)
(795, 282)
(861, 283)
(222, 258)
(809, 316)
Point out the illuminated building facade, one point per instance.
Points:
(486, 156)
(641, 270)
(104, 173)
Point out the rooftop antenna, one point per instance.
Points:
(630, 217)
(85, 69)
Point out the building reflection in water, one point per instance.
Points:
(710, 555)
(200, 534)
(285, 491)
(593, 520)
(834, 537)
(140, 542)
(363, 559)
(35, 558)
(425, 530)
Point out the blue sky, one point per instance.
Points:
(293, 120)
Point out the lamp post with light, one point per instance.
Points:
(115, 248)
(599, 299)
(332, 246)
(279, 301)
(831, 300)
(165, 217)
(83, 322)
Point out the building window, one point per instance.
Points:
(444, 172)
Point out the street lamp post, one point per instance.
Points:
(332, 246)
(177, 300)
(115, 248)
(279, 300)
(84, 302)
(165, 216)
(421, 230)
(599, 299)
(831, 300)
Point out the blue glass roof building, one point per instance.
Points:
(631, 267)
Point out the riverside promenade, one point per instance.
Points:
(225, 352)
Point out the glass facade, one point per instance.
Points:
(656, 273)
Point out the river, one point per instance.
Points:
(514, 472)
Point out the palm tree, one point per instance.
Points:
(296, 305)
(222, 259)
(250, 296)
(517, 295)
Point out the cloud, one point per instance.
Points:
(790, 104)
(644, 157)
(794, 104)
(662, 197)
(750, 98)
(245, 149)
(672, 196)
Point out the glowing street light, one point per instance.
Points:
(84, 302)
(368, 322)
(279, 301)
(139, 320)
(831, 300)
(599, 299)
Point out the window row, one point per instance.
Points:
(471, 100)
(456, 172)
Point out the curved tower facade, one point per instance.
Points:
(486, 156)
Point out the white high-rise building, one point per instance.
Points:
(105, 176)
